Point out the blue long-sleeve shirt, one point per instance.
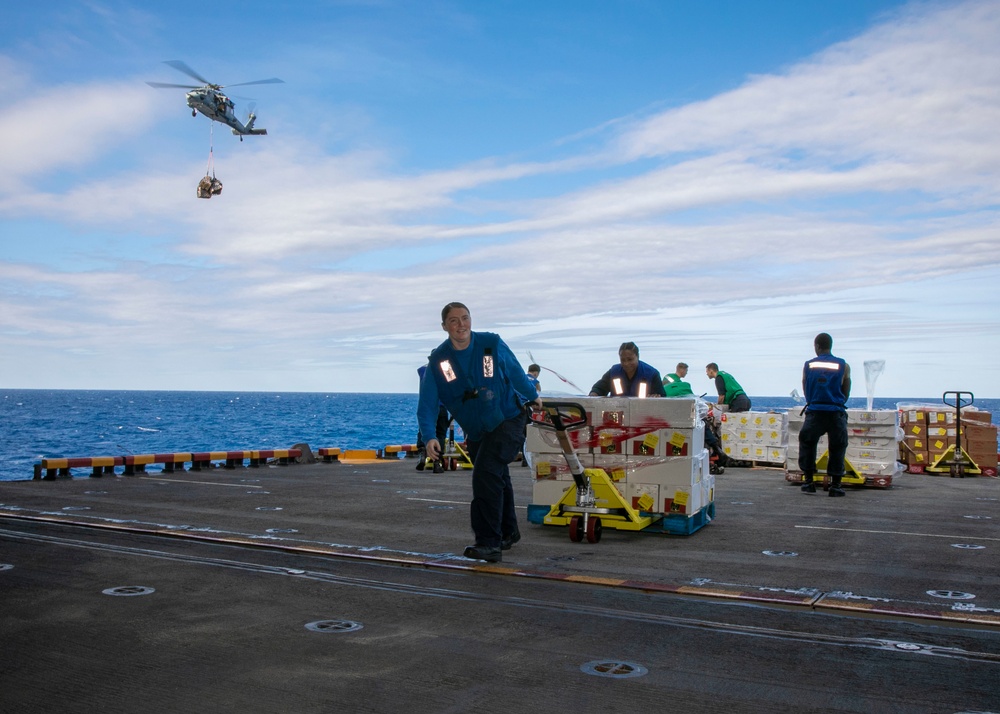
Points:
(513, 380)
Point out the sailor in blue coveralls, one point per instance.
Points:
(826, 381)
(478, 379)
(631, 377)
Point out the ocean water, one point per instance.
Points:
(36, 423)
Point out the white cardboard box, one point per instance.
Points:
(866, 453)
(553, 467)
(545, 441)
(549, 492)
(876, 417)
(776, 454)
(707, 489)
(768, 420)
(616, 466)
(875, 468)
(677, 413)
(873, 442)
(767, 437)
(635, 491)
(667, 442)
(674, 471)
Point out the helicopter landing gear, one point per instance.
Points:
(194, 112)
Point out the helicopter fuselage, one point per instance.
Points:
(218, 107)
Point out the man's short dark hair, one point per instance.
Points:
(823, 341)
(452, 306)
(712, 365)
(534, 368)
(681, 365)
(630, 346)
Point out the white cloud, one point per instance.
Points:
(65, 127)
(724, 230)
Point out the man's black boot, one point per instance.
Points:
(506, 543)
(484, 552)
(421, 460)
(836, 489)
(808, 486)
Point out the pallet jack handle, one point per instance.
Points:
(959, 401)
(563, 417)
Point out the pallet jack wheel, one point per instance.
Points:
(452, 464)
(576, 529)
(594, 529)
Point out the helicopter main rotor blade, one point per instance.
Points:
(181, 67)
(272, 80)
(164, 85)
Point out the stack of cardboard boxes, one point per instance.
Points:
(754, 436)
(929, 431)
(872, 445)
(653, 450)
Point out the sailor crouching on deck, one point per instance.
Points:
(477, 377)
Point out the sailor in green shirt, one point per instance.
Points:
(674, 384)
(730, 391)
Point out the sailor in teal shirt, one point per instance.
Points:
(477, 377)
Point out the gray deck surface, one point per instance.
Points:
(838, 617)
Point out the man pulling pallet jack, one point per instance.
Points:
(479, 380)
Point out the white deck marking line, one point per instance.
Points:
(923, 535)
(203, 483)
(459, 503)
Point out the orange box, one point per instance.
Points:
(986, 460)
(979, 432)
(976, 416)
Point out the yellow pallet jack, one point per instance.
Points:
(596, 501)
(452, 455)
(956, 462)
(851, 475)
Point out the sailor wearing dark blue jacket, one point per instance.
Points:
(479, 380)
(826, 382)
(630, 377)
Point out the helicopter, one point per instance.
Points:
(210, 101)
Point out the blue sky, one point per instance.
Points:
(717, 181)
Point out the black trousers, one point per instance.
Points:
(492, 511)
(740, 403)
(834, 425)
